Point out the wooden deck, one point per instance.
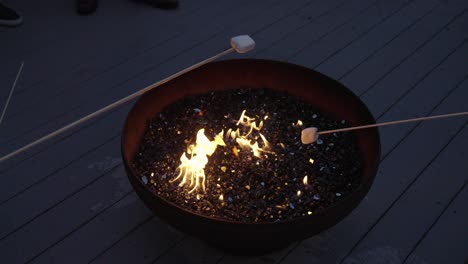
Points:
(69, 201)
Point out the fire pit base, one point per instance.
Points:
(320, 91)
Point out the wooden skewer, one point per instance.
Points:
(11, 92)
(114, 105)
(310, 135)
(393, 123)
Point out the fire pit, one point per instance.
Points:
(247, 237)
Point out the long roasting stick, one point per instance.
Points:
(392, 123)
(11, 92)
(241, 44)
(310, 135)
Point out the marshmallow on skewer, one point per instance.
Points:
(240, 44)
(309, 135)
(243, 43)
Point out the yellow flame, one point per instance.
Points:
(248, 122)
(191, 170)
(298, 123)
(242, 139)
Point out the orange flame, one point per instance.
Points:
(192, 171)
(242, 139)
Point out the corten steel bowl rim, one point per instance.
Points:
(363, 187)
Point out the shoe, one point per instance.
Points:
(164, 4)
(8, 17)
(86, 7)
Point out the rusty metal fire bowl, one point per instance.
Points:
(317, 89)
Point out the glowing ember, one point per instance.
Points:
(235, 150)
(192, 170)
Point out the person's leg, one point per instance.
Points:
(86, 7)
(165, 4)
(8, 17)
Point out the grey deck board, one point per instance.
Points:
(77, 102)
(434, 247)
(319, 50)
(76, 206)
(78, 56)
(24, 175)
(272, 257)
(55, 224)
(124, 216)
(420, 100)
(365, 76)
(396, 29)
(301, 20)
(115, 53)
(198, 252)
(20, 209)
(319, 27)
(396, 173)
(143, 248)
(417, 66)
(54, 119)
(427, 197)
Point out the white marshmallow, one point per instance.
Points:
(243, 43)
(309, 135)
